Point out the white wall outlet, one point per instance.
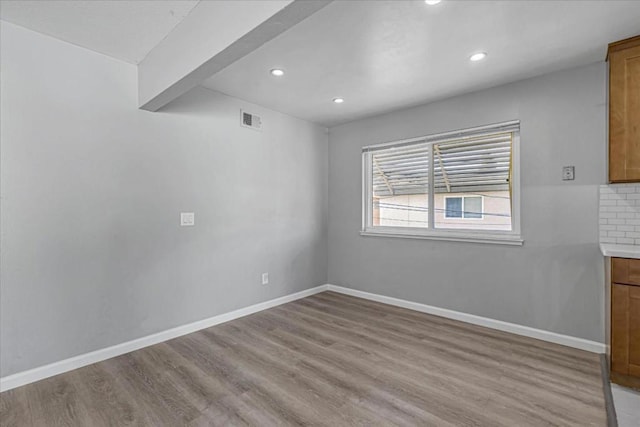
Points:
(265, 278)
(187, 219)
(568, 173)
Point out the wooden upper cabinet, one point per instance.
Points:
(624, 110)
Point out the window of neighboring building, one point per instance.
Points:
(469, 207)
(432, 186)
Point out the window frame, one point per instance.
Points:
(506, 237)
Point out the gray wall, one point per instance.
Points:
(91, 189)
(92, 253)
(555, 281)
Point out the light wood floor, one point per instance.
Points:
(331, 360)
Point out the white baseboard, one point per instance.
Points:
(569, 341)
(22, 378)
(40, 373)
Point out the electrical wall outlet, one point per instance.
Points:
(187, 219)
(568, 173)
(265, 278)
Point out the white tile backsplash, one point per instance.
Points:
(620, 214)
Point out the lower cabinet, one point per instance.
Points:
(625, 333)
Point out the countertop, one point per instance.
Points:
(620, 251)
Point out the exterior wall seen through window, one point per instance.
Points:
(411, 210)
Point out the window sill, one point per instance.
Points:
(495, 239)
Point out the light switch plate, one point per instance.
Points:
(568, 173)
(265, 278)
(187, 219)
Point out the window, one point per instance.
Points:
(469, 207)
(460, 185)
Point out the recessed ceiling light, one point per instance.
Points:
(432, 2)
(277, 72)
(478, 56)
(338, 100)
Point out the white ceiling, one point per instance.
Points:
(378, 55)
(125, 30)
(385, 55)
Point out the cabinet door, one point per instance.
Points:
(625, 271)
(624, 115)
(634, 331)
(625, 329)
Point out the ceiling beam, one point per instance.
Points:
(213, 36)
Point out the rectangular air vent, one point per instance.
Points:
(249, 120)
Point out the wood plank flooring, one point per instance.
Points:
(326, 360)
